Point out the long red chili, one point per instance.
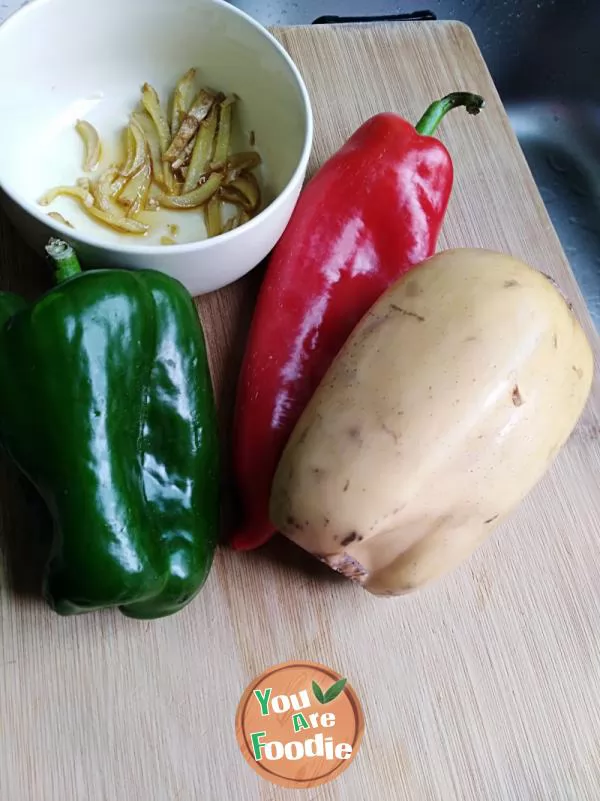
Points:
(372, 211)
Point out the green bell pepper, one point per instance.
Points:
(107, 406)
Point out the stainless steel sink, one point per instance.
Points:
(550, 88)
(561, 141)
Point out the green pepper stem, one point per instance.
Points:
(62, 256)
(438, 110)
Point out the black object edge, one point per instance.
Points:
(413, 16)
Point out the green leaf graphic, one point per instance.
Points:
(318, 693)
(335, 689)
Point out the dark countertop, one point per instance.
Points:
(505, 31)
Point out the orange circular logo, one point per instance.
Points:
(299, 724)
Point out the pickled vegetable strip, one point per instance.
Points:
(130, 148)
(151, 103)
(232, 195)
(56, 215)
(192, 200)
(212, 216)
(139, 151)
(150, 133)
(93, 146)
(224, 134)
(118, 185)
(239, 163)
(102, 189)
(239, 218)
(248, 187)
(135, 193)
(182, 100)
(203, 151)
(78, 192)
(125, 224)
(87, 202)
(184, 157)
(198, 112)
(229, 225)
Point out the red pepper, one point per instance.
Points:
(372, 211)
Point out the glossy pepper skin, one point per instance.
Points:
(107, 406)
(372, 211)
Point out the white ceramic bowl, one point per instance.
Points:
(61, 60)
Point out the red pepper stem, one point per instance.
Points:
(438, 110)
(64, 260)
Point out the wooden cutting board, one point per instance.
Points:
(484, 687)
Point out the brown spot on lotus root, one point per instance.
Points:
(354, 434)
(555, 341)
(511, 283)
(370, 327)
(578, 371)
(517, 399)
(291, 521)
(559, 290)
(350, 375)
(349, 539)
(303, 436)
(407, 313)
(346, 485)
(390, 432)
(318, 473)
(491, 519)
(413, 289)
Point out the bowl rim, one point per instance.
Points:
(297, 176)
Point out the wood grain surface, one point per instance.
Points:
(485, 686)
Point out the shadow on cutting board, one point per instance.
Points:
(286, 554)
(25, 525)
(21, 270)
